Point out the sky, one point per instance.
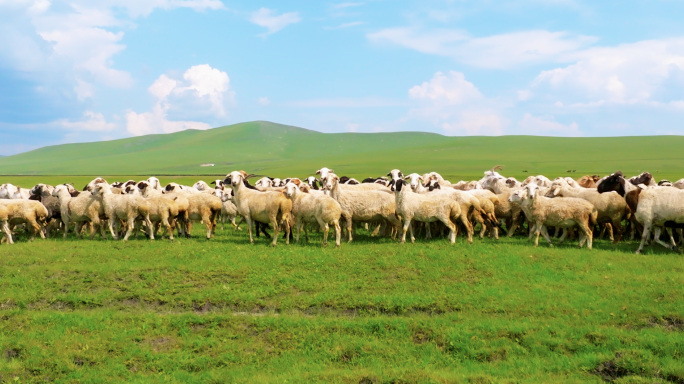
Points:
(88, 70)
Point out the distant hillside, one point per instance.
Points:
(281, 150)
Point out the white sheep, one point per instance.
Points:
(566, 212)
(308, 208)
(361, 205)
(81, 209)
(426, 208)
(201, 186)
(126, 208)
(265, 207)
(10, 191)
(30, 212)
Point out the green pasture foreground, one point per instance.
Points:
(372, 311)
(278, 150)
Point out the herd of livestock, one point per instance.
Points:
(391, 205)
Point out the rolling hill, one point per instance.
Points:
(280, 150)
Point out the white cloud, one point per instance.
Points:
(201, 85)
(471, 123)
(495, 52)
(208, 83)
(346, 25)
(84, 90)
(346, 5)
(264, 101)
(452, 88)
(363, 102)
(92, 121)
(156, 121)
(624, 74)
(456, 106)
(267, 18)
(533, 125)
(524, 94)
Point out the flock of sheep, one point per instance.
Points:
(391, 205)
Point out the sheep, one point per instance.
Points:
(308, 208)
(324, 172)
(21, 211)
(587, 181)
(488, 201)
(254, 205)
(352, 181)
(652, 206)
(539, 180)
(264, 182)
(197, 206)
(170, 187)
(567, 212)
(147, 189)
(43, 193)
(679, 184)
(426, 208)
(665, 183)
(313, 182)
(91, 184)
(123, 207)
(470, 206)
(611, 207)
(154, 183)
(163, 209)
(361, 205)
(201, 186)
(10, 191)
(83, 208)
(228, 208)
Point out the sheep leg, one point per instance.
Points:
(206, 218)
(545, 233)
(468, 227)
(413, 238)
(586, 234)
(249, 229)
(130, 225)
(324, 226)
(8, 233)
(276, 229)
(563, 236)
(658, 231)
(337, 233)
(111, 228)
(645, 236)
(348, 223)
(407, 223)
(514, 224)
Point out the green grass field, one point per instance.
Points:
(372, 311)
(284, 151)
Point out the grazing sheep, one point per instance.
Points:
(201, 186)
(567, 212)
(361, 205)
(307, 208)
(126, 208)
(254, 205)
(426, 208)
(588, 181)
(30, 212)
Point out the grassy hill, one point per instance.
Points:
(280, 150)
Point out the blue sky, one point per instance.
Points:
(85, 70)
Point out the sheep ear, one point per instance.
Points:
(249, 176)
(556, 191)
(213, 182)
(296, 182)
(318, 172)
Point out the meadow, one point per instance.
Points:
(373, 311)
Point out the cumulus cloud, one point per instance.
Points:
(538, 126)
(624, 74)
(494, 52)
(268, 19)
(456, 106)
(91, 121)
(203, 90)
(451, 88)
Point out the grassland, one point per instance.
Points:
(371, 311)
(283, 151)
